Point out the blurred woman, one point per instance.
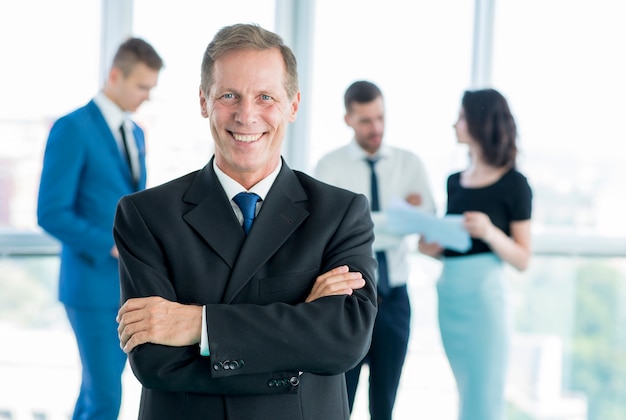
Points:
(495, 201)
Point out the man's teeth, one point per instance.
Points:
(247, 138)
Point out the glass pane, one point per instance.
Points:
(50, 66)
(29, 290)
(569, 354)
(560, 64)
(418, 53)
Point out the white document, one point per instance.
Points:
(385, 239)
(447, 231)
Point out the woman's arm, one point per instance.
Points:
(515, 249)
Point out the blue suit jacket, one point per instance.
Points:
(83, 177)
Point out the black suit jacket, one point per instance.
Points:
(272, 355)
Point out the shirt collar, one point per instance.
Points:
(113, 114)
(232, 187)
(357, 153)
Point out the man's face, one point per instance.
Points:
(368, 122)
(249, 110)
(131, 91)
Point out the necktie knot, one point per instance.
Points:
(247, 203)
(372, 161)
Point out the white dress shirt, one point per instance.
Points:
(232, 188)
(400, 173)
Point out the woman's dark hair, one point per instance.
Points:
(491, 124)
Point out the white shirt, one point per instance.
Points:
(115, 117)
(399, 173)
(232, 188)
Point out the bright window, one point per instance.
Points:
(561, 66)
(49, 67)
(418, 53)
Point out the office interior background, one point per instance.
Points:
(560, 63)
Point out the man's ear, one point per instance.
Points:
(115, 75)
(295, 105)
(203, 105)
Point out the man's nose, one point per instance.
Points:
(246, 111)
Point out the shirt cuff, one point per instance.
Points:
(204, 337)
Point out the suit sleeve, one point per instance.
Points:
(254, 347)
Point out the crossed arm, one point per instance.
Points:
(160, 321)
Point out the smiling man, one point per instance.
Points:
(235, 311)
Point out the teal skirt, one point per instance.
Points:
(475, 331)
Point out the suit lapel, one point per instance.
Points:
(103, 128)
(212, 216)
(111, 142)
(279, 217)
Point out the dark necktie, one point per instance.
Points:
(381, 257)
(247, 204)
(128, 157)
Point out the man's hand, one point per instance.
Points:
(432, 249)
(338, 281)
(159, 321)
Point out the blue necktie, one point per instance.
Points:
(383, 271)
(247, 204)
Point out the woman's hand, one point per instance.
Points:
(478, 225)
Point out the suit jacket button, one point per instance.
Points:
(217, 366)
(294, 381)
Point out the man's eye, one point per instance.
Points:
(266, 97)
(228, 96)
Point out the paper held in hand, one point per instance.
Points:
(447, 231)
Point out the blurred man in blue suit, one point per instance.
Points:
(93, 157)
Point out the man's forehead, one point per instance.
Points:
(260, 72)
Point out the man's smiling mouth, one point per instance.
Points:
(247, 138)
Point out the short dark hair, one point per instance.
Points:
(491, 124)
(134, 51)
(247, 36)
(361, 92)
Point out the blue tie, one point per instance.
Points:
(247, 204)
(383, 271)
